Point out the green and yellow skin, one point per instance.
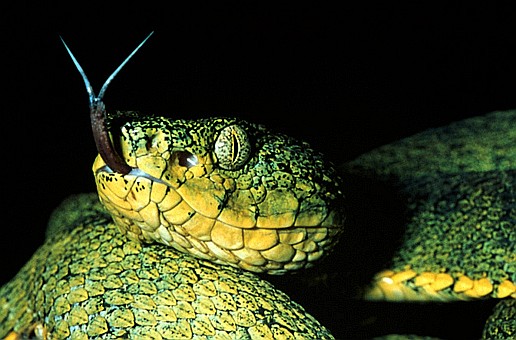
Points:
(224, 190)
(454, 191)
(187, 210)
(91, 280)
(458, 183)
(278, 208)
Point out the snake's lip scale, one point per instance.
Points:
(136, 172)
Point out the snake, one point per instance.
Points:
(189, 216)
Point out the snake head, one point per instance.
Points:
(223, 189)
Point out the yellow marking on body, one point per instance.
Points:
(463, 284)
(424, 279)
(441, 282)
(13, 336)
(404, 286)
(481, 288)
(505, 289)
(403, 276)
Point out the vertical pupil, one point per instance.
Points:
(231, 147)
(234, 147)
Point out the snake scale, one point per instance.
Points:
(189, 209)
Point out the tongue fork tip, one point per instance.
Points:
(98, 115)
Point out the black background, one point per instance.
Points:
(346, 77)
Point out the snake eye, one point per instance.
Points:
(185, 158)
(232, 147)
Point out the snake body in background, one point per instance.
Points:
(212, 197)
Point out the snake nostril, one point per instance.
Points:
(185, 158)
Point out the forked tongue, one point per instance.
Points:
(98, 116)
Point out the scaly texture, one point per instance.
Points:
(90, 281)
(456, 182)
(459, 184)
(225, 190)
(502, 323)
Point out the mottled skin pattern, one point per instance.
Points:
(460, 240)
(456, 185)
(219, 189)
(224, 190)
(502, 323)
(88, 279)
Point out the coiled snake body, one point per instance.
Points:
(187, 208)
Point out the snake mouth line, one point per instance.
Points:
(136, 172)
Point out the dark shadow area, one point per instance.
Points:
(372, 233)
(331, 291)
(344, 77)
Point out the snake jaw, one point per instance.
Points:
(134, 172)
